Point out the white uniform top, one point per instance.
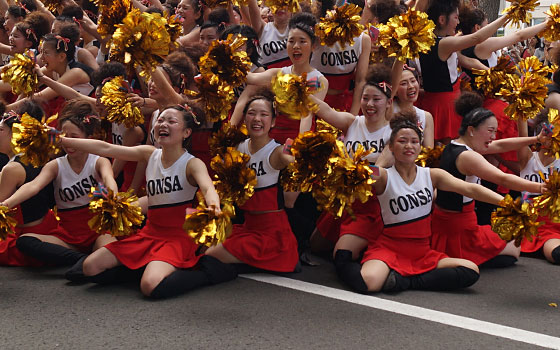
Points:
(272, 45)
(336, 60)
(311, 75)
(493, 60)
(420, 115)
(117, 132)
(473, 179)
(358, 134)
(71, 189)
(168, 186)
(267, 176)
(534, 165)
(83, 88)
(402, 203)
(155, 115)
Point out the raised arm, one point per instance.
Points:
(442, 180)
(279, 160)
(255, 16)
(360, 76)
(105, 149)
(263, 78)
(484, 49)
(63, 90)
(30, 189)
(340, 120)
(510, 144)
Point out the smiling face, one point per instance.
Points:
(170, 128)
(408, 88)
(71, 130)
(5, 138)
(259, 118)
(374, 103)
(50, 57)
(406, 146)
(483, 134)
(18, 41)
(299, 46)
(186, 10)
(208, 35)
(448, 25)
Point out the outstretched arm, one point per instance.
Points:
(442, 180)
(105, 149)
(30, 189)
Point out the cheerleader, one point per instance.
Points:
(439, 66)
(463, 158)
(191, 15)
(72, 176)
(533, 163)
(33, 214)
(173, 177)
(401, 258)
(265, 240)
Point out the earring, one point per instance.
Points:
(472, 134)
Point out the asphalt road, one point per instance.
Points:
(40, 310)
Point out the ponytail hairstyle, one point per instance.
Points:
(470, 16)
(437, 8)
(34, 27)
(107, 70)
(82, 114)
(469, 106)
(380, 77)
(193, 117)
(252, 40)
(32, 108)
(180, 69)
(220, 27)
(262, 94)
(305, 22)
(404, 120)
(384, 10)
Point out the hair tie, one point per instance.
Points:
(87, 118)
(106, 80)
(29, 32)
(407, 67)
(384, 86)
(77, 22)
(23, 7)
(188, 109)
(66, 41)
(10, 115)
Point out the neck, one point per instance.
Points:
(170, 154)
(78, 160)
(405, 105)
(375, 124)
(405, 170)
(281, 26)
(258, 142)
(61, 68)
(300, 68)
(10, 153)
(545, 159)
(188, 27)
(440, 33)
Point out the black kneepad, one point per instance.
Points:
(217, 271)
(500, 261)
(556, 255)
(466, 277)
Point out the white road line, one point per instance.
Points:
(472, 324)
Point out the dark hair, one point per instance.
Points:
(32, 108)
(252, 39)
(194, 50)
(262, 94)
(69, 32)
(180, 69)
(24, 8)
(219, 15)
(107, 70)
(377, 75)
(469, 17)
(197, 7)
(33, 27)
(384, 10)
(404, 120)
(73, 11)
(438, 8)
(220, 27)
(193, 116)
(469, 106)
(305, 22)
(171, 6)
(82, 114)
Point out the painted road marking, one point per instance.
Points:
(445, 318)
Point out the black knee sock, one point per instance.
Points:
(500, 261)
(449, 278)
(301, 226)
(209, 271)
(48, 252)
(76, 272)
(349, 271)
(556, 255)
(110, 276)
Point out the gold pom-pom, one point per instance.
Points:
(174, 27)
(212, 4)
(119, 110)
(492, 81)
(288, 5)
(520, 11)
(216, 97)
(340, 25)
(19, 74)
(227, 136)
(429, 157)
(554, 122)
(207, 228)
(552, 30)
(225, 63)
(141, 40)
(406, 36)
(515, 220)
(52, 5)
(292, 94)
(118, 215)
(548, 204)
(112, 15)
(7, 222)
(235, 181)
(323, 126)
(34, 140)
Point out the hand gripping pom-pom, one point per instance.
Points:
(292, 94)
(548, 204)
(429, 157)
(227, 136)
(520, 11)
(119, 110)
(340, 25)
(7, 222)
(552, 30)
(19, 73)
(235, 180)
(492, 81)
(554, 127)
(34, 140)
(112, 15)
(515, 220)
(286, 5)
(117, 215)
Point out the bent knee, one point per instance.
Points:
(149, 282)
(373, 281)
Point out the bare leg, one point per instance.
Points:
(155, 272)
(353, 243)
(374, 273)
(99, 261)
(548, 247)
(219, 252)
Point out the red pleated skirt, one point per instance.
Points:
(329, 226)
(548, 230)
(442, 107)
(459, 236)
(11, 256)
(200, 148)
(264, 241)
(162, 239)
(401, 251)
(73, 229)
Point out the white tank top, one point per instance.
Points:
(314, 74)
(402, 203)
(336, 60)
(493, 60)
(168, 187)
(534, 165)
(117, 132)
(83, 88)
(473, 179)
(267, 176)
(272, 45)
(71, 189)
(420, 115)
(358, 134)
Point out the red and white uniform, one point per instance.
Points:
(163, 238)
(265, 240)
(117, 134)
(72, 202)
(273, 52)
(338, 64)
(548, 230)
(406, 209)
(358, 134)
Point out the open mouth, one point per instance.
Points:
(297, 55)
(256, 127)
(163, 133)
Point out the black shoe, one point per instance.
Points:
(395, 282)
(76, 272)
(307, 261)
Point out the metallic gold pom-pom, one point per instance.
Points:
(287, 5)
(340, 25)
(52, 5)
(548, 204)
(20, 75)
(7, 222)
(552, 30)
(117, 215)
(515, 220)
(215, 96)
(112, 15)
(227, 136)
(429, 157)
(212, 4)
(119, 110)
(323, 126)
(406, 36)
(554, 121)
(34, 140)
(520, 11)
(206, 227)
(492, 81)
(292, 94)
(235, 181)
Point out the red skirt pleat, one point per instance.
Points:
(442, 107)
(73, 229)
(548, 230)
